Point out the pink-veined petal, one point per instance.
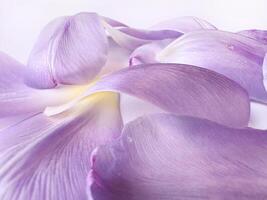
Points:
(163, 157)
(49, 157)
(70, 50)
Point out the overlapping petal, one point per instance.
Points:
(147, 53)
(18, 100)
(49, 157)
(180, 89)
(70, 50)
(46, 156)
(233, 55)
(163, 157)
(131, 38)
(118, 58)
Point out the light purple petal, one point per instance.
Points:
(163, 157)
(233, 55)
(180, 89)
(131, 38)
(260, 35)
(147, 53)
(113, 23)
(70, 50)
(150, 35)
(12, 73)
(184, 24)
(18, 101)
(48, 158)
(118, 58)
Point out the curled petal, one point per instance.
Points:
(18, 101)
(238, 57)
(131, 38)
(163, 157)
(113, 23)
(147, 53)
(49, 157)
(179, 89)
(260, 35)
(118, 58)
(70, 50)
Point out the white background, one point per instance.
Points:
(21, 20)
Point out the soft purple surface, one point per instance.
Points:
(238, 57)
(165, 157)
(182, 89)
(132, 38)
(260, 35)
(48, 158)
(204, 74)
(69, 50)
(147, 53)
(15, 97)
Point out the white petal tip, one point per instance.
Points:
(54, 110)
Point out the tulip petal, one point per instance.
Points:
(260, 35)
(70, 50)
(49, 158)
(163, 157)
(233, 55)
(179, 89)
